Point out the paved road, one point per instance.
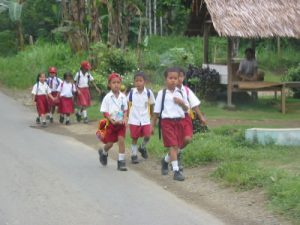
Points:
(56, 180)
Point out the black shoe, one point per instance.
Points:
(47, 117)
(78, 117)
(44, 124)
(68, 122)
(85, 120)
(134, 159)
(164, 167)
(61, 119)
(178, 176)
(143, 152)
(102, 157)
(51, 120)
(38, 120)
(179, 162)
(122, 165)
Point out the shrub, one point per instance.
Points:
(293, 74)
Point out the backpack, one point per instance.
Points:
(102, 127)
(78, 79)
(130, 99)
(57, 81)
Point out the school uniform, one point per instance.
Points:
(41, 92)
(115, 107)
(53, 83)
(171, 117)
(66, 104)
(82, 83)
(139, 113)
(192, 101)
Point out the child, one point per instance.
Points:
(66, 92)
(82, 78)
(40, 93)
(141, 101)
(53, 82)
(114, 108)
(170, 107)
(193, 103)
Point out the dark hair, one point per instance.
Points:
(170, 70)
(250, 50)
(39, 75)
(181, 70)
(140, 74)
(68, 74)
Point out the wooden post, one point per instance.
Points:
(283, 98)
(206, 41)
(278, 47)
(229, 72)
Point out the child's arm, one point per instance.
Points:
(153, 122)
(125, 118)
(181, 103)
(107, 116)
(200, 115)
(94, 84)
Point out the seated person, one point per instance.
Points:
(248, 68)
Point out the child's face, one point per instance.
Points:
(172, 80)
(180, 79)
(42, 78)
(115, 84)
(52, 74)
(139, 82)
(69, 78)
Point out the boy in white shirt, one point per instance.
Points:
(171, 107)
(141, 101)
(114, 108)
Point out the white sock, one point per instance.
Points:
(104, 152)
(121, 156)
(67, 118)
(167, 158)
(44, 120)
(79, 112)
(133, 149)
(84, 113)
(175, 165)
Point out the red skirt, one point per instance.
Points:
(66, 105)
(42, 104)
(187, 126)
(55, 102)
(84, 98)
(113, 132)
(172, 132)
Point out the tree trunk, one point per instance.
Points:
(150, 18)
(95, 22)
(114, 22)
(154, 18)
(161, 25)
(20, 35)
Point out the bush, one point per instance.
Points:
(293, 74)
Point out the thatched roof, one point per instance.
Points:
(255, 18)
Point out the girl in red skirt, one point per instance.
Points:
(66, 93)
(114, 108)
(40, 94)
(53, 82)
(170, 107)
(82, 78)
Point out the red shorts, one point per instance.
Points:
(42, 105)
(187, 126)
(84, 98)
(51, 102)
(113, 132)
(66, 105)
(172, 132)
(140, 131)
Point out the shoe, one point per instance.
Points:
(164, 167)
(143, 152)
(51, 120)
(179, 162)
(38, 120)
(85, 120)
(48, 117)
(78, 117)
(44, 124)
(102, 157)
(122, 165)
(61, 119)
(178, 176)
(68, 122)
(134, 159)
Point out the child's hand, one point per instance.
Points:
(178, 101)
(152, 129)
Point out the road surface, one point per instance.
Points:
(48, 179)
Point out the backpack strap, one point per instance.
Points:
(187, 90)
(161, 110)
(78, 78)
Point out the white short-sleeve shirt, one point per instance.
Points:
(139, 111)
(66, 89)
(114, 106)
(53, 83)
(171, 109)
(190, 97)
(41, 89)
(83, 79)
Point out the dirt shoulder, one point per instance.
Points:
(231, 206)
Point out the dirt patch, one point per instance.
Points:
(231, 206)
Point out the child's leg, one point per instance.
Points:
(84, 114)
(103, 153)
(173, 155)
(67, 116)
(121, 158)
(134, 149)
(43, 119)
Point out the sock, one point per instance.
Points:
(175, 165)
(79, 112)
(84, 113)
(133, 149)
(167, 158)
(104, 152)
(50, 115)
(67, 118)
(145, 141)
(121, 156)
(44, 120)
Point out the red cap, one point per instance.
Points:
(113, 76)
(85, 65)
(52, 70)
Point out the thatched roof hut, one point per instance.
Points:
(255, 18)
